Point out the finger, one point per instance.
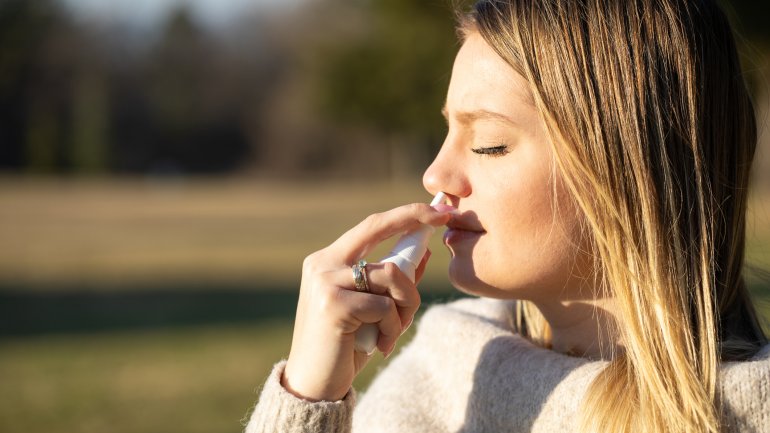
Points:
(384, 280)
(360, 359)
(369, 308)
(387, 279)
(359, 240)
(420, 271)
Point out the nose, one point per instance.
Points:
(447, 173)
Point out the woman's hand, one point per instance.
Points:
(322, 363)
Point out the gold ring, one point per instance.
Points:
(360, 279)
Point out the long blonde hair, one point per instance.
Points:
(653, 132)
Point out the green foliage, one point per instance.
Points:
(24, 116)
(393, 77)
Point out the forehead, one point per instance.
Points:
(482, 80)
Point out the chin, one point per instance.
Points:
(465, 279)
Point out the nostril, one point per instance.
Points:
(452, 200)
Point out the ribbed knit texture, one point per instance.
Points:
(280, 411)
(466, 372)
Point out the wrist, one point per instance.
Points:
(309, 392)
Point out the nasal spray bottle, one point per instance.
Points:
(406, 254)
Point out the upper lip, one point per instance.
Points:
(464, 223)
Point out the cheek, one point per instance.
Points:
(544, 261)
(524, 216)
(531, 249)
(526, 240)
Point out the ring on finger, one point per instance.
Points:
(360, 279)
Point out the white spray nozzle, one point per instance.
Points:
(438, 199)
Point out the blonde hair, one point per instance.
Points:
(653, 133)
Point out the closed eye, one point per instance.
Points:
(499, 150)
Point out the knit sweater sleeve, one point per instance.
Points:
(280, 411)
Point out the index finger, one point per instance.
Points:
(358, 241)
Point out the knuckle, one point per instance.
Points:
(310, 262)
(391, 270)
(326, 280)
(373, 220)
(316, 263)
(386, 303)
(416, 208)
(328, 297)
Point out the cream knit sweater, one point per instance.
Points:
(465, 371)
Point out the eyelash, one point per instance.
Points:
(492, 152)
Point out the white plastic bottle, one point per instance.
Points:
(406, 254)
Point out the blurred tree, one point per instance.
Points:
(90, 122)
(393, 76)
(195, 114)
(77, 98)
(71, 100)
(384, 77)
(52, 91)
(29, 126)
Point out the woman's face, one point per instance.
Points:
(517, 234)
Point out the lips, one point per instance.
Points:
(455, 224)
(462, 229)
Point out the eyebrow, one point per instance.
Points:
(468, 117)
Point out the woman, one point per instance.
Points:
(596, 165)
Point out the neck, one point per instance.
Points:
(585, 328)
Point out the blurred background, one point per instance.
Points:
(165, 166)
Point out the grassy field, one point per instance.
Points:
(192, 380)
(132, 232)
(120, 237)
(185, 380)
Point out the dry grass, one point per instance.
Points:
(133, 232)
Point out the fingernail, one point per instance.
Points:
(410, 323)
(407, 325)
(387, 354)
(444, 208)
